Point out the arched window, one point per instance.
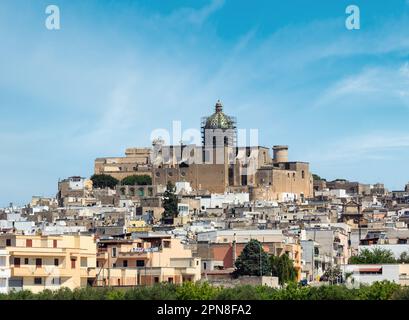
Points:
(302, 174)
(226, 141)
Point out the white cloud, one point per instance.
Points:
(379, 85)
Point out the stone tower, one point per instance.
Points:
(219, 129)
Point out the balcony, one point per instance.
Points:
(37, 252)
(33, 271)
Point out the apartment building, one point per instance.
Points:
(148, 259)
(333, 239)
(314, 262)
(39, 262)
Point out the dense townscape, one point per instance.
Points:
(187, 219)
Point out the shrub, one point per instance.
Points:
(104, 181)
(380, 290)
(198, 291)
(204, 291)
(140, 180)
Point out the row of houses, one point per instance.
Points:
(39, 262)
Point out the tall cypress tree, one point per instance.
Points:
(170, 201)
(283, 268)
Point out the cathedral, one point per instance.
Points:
(219, 165)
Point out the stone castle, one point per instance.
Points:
(219, 165)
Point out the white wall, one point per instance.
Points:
(217, 200)
(390, 272)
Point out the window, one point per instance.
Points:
(72, 263)
(56, 281)
(25, 260)
(140, 263)
(8, 242)
(166, 244)
(17, 262)
(113, 252)
(39, 263)
(84, 262)
(56, 262)
(302, 174)
(125, 263)
(54, 243)
(156, 279)
(170, 280)
(29, 243)
(204, 265)
(38, 281)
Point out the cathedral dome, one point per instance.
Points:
(219, 120)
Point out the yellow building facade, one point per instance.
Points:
(49, 262)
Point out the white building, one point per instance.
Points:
(183, 187)
(217, 200)
(241, 236)
(370, 273)
(4, 271)
(335, 193)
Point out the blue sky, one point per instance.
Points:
(117, 70)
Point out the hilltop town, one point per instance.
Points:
(187, 213)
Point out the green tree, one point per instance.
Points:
(104, 181)
(403, 258)
(333, 274)
(283, 268)
(316, 177)
(375, 256)
(140, 180)
(170, 201)
(253, 261)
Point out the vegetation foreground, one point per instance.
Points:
(203, 291)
